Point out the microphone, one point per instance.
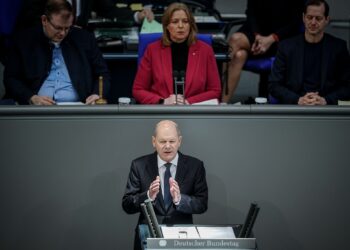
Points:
(179, 83)
(151, 218)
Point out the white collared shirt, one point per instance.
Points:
(162, 168)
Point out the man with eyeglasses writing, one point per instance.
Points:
(313, 68)
(55, 62)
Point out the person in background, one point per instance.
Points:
(178, 50)
(312, 68)
(29, 15)
(267, 23)
(31, 11)
(175, 182)
(55, 61)
(107, 9)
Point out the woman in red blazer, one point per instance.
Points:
(177, 50)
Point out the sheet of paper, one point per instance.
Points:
(208, 102)
(180, 232)
(136, 6)
(151, 27)
(70, 103)
(216, 232)
(343, 103)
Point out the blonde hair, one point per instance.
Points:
(167, 123)
(167, 18)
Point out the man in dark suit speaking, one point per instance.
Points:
(175, 182)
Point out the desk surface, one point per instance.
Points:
(120, 56)
(134, 56)
(262, 111)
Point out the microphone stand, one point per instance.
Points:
(175, 75)
(179, 84)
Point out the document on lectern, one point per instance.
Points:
(199, 232)
(178, 232)
(216, 232)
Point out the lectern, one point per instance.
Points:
(154, 236)
(180, 242)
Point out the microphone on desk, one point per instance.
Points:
(179, 83)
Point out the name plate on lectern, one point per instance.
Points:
(237, 244)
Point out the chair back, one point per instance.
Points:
(8, 14)
(7, 102)
(259, 65)
(147, 38)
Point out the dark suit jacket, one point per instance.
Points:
(190, 175)
(154, 79)
(283, 18)
(30, 59)
(29, 14)
(286, 79)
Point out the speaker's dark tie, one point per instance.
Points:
(167, 196)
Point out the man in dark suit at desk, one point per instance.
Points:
(312, 68)
(55, 61)
(174, 201)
